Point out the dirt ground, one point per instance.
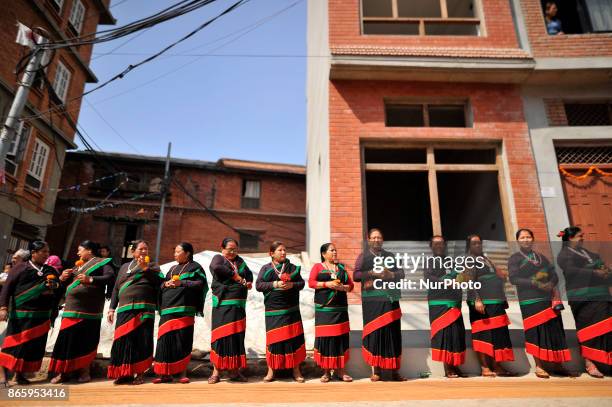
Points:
(314, 392)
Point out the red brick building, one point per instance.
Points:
(253, 202)
(36, 157)
(421, 119)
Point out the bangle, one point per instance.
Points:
(3, 308)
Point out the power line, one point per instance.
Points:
(96, 111)
(242, 32)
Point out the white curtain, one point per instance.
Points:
(251, 189)
(600, 14)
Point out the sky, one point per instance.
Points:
(245, 99)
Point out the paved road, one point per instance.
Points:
(474, 392)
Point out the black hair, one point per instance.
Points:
(37, 245)
(518, 233)
(375, 230)
(135, 243)
(569, 232)
(227, 241)
(435, 237)
(468, 240)
(187, 248)
(104, 246)
(89, 245)
(324, 248)
(275, 245)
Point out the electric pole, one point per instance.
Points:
(164, 191)
(7, 135)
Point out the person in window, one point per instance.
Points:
(77, 342)
(588, 281)
(553, 24)
(281, 282)
(488, 318)
(331, 282)
(32, 292)
(447, 328)
(232, 280)
(182, 298)
(133, 305)
(382, 326)
(535, 280)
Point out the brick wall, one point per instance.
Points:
(345, 31)
(281, 215)
(357, 112)
(573, 45)
(555, 112)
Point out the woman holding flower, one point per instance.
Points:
(535, 280)
(281, 282)
(182, 298)
(134, 302)
(77, 342)
(331, 282)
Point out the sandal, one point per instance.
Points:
(58, 379)
(594, 372)
(138, 380)
(346, 378)
(542, 374)
(299, 379)
(214, 379)
(158, 380)
(184, 380)
(268, 379)
(325, 378)
(375, 378)
(488, 373)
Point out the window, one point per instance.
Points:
(77, 13)
(249, 240)
(62, 81)
(57, 4)
(420, 17)
(589, 114)
(38, 164)
(16, 148)
(425, 115)
(251, 192)
(580, 16)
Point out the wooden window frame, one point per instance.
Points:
(43, 166)
(425, 109)
(395, 18)
(77, 26)
(432, 169)
(61, 67)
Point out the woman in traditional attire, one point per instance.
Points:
(182, 298)
(447, 328)
(382, 328)
(588, 280)
(331, 282)
(76, 345)
(536, 281)
(232, 280)
(133, 305)
(32, 292)
(488, 318)
(281, 282)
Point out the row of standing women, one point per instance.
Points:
(34, 291)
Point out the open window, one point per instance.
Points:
(582, 16)
(420, 17)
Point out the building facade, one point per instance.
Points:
(36, 157)
(448, 117)
(118, 202)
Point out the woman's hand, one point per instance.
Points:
(545, 286)
(169, 284)
(84, 279)
(110, 317)
(334, 284)
(479, 306)
(3, 314)
(65, 275)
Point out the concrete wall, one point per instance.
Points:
(317, 159)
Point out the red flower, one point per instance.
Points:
(285, 277)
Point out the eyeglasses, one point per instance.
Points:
(231, 250)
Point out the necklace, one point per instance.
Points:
(39, 271)
(333, 270)
(278, 273)
(130, 269)
(182, 269)
(232, 264)
(536, 259)
(582, 253)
